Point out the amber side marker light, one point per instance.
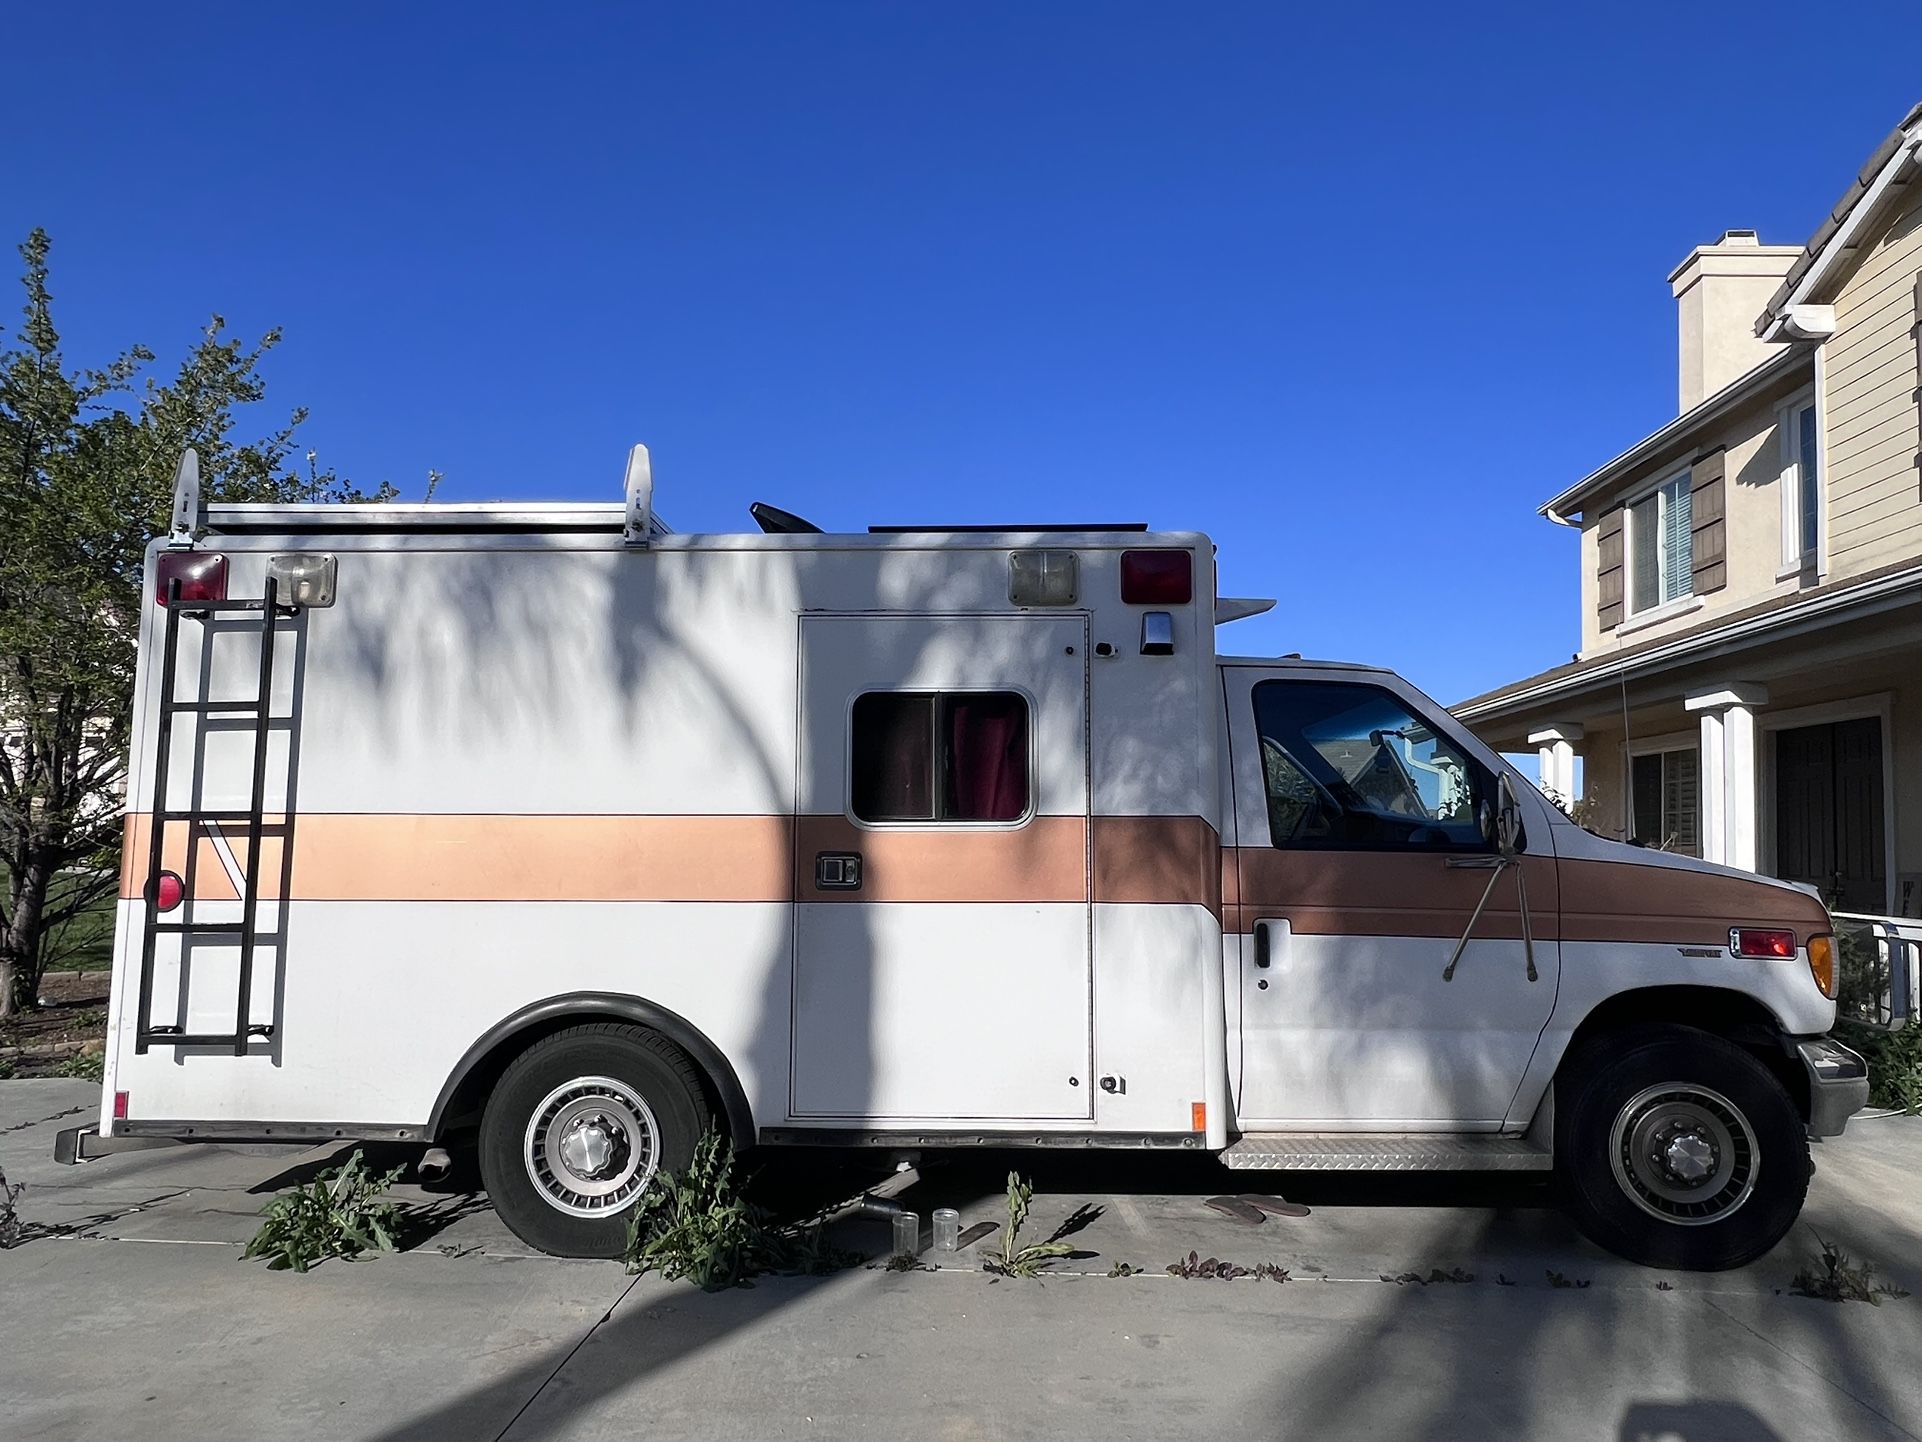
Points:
(1822, 963)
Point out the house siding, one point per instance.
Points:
(1874, 506)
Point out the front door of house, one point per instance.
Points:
(1828, 812)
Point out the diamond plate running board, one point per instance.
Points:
(1381, 1152)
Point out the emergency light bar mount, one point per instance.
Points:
(638, 514)
(186, 512)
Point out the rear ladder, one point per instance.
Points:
(270, 613)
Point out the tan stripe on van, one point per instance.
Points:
(363, 857)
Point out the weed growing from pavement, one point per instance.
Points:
(338, 1214)
(1435, 1275)
(1835, 1278)
(1014, 1259)
(1560, 1283)
(1125, 1269)
(696, 1225)
(1196, 1267)
(13, 1231)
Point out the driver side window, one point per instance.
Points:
(1349, 767)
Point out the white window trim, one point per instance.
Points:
(1879, 706)
(1655, 746)
(1656, 615)
(1795, 560)
(1648, 613)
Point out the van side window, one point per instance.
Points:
(1349, 767)
(952, 756)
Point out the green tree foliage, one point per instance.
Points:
(87, 458)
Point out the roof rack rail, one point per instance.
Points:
(1133, 526)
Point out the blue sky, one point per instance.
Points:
(1352, 292)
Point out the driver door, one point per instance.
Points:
(1361, 856)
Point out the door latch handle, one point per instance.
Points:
(837, 871)
(1262, 955)
(1478, 861)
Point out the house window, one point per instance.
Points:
(1801, 472)
(1665, 795)
(956, 756)
(1662, 564)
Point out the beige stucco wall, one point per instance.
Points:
(1874, 510)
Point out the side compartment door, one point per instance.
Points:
(941, 963)
(1360, 864)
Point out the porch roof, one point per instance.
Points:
(1775, 619)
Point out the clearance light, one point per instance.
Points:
(1157, 578)
(120, 1106)
(202, 575)
(302, 578)
(1041, 578)
(168, 891)
(1822, 963)
(1761, 942)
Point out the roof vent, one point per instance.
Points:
(1739, 237)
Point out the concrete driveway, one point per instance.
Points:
(136, 1317)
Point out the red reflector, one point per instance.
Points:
(120, 1106)
(1157, 578)
(202, 575)
(168, 891)
(1756, 941)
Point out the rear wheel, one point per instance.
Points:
(578, 1127)
(1679, 1149)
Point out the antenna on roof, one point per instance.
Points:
(639, 515)
(186, 516)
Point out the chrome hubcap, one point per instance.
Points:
(591, 1146)
(1684, 1154)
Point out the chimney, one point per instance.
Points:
(1719, 291)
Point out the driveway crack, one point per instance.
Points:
(561, 1365)
(1815, 1372)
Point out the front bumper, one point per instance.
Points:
(1838, 1084)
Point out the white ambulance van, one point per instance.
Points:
(543, 830)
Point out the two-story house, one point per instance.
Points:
(1749, 684)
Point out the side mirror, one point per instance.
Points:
(1508, 822)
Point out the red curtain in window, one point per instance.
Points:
(988, 746)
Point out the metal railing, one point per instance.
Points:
(1881, 965)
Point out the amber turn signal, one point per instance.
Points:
(1822, 963)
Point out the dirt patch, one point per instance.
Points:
(73, 1013)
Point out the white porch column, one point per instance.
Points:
(1728, 772)
(1555, 746)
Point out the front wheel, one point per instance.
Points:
(1679, 1149)
(578, 1126)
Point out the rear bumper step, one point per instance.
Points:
(1384, 1152)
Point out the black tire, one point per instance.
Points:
(579, 1062)
(1634, 1105)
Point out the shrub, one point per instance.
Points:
(86, 1065)
(1894, 1055)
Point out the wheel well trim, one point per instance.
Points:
(1557, 1040)
(606, 1005)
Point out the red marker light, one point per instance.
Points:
(202, 575)
(120, 1106)
(1157, 578)
(168, 891)
(1761, 942)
